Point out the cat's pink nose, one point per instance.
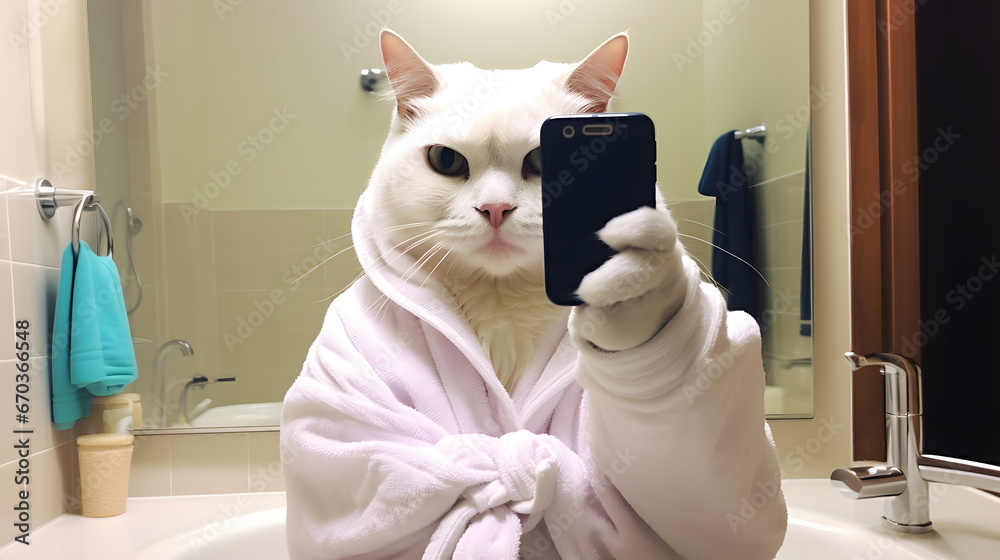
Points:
(495, 212)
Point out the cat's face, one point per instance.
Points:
(459, 173)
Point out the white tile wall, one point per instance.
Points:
(6, 310)
(44, 103)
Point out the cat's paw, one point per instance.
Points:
(632, 296)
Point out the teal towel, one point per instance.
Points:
(92, 350)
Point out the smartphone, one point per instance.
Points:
(594, 167)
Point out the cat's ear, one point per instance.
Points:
(411, 77)
(596, 77)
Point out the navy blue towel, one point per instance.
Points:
(725, 178)
(805, 289)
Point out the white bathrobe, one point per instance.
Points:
(398, 440)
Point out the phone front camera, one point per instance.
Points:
(568, 131)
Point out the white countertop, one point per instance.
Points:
(823, 525)
(145, 522)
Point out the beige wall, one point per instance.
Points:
(813, 448)
(46, 123)
(227, 75)
(232, 279)
(177, 465)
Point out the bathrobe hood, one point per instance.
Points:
(398, 440)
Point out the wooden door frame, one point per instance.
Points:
(884, 238)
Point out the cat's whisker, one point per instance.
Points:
(704, 270)
(415, 267)
(383, 232)
(331, 240)
(705, 225)
(383, 299)
(344, 289)
(384, 264)
(441, 260)
(410, 272)
(344, 250)
(360, 275)
(731, 255)
(322, 262)
(427, 235)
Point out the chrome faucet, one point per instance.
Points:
(159, 385)
(197, 383)
(907, 471)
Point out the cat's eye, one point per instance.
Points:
(446, 161)
(532, 163)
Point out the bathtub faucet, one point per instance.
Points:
(159, 383)
(197, 383)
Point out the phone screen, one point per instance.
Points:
(594, 167)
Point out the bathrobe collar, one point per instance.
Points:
(545, 378)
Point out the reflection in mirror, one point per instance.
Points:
(240, 141)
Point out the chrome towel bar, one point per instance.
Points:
(758, 131)
(49, 199)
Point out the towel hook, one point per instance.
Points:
(88, 203)
(373, 80)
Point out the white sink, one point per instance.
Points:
(254, 535)
(823, 525)
(252, 414)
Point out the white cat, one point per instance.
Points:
(448, 410)
(458, 186)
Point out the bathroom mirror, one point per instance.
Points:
(242, 138)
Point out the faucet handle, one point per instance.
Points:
(902, 365)
(859, 483)
(902, 380)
